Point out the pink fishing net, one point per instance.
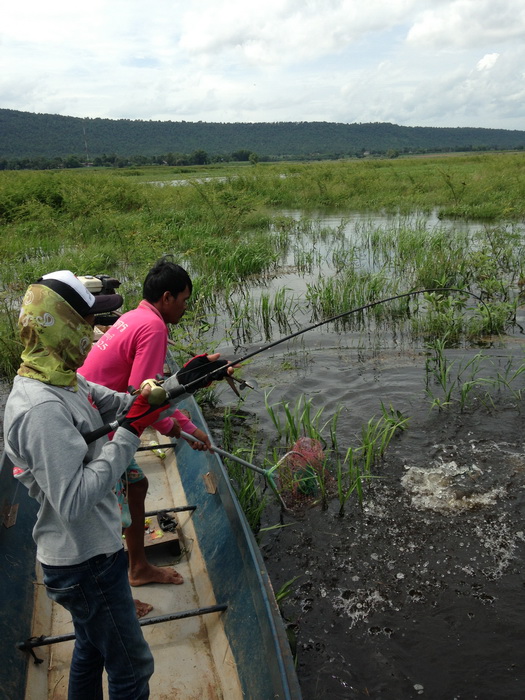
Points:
(299, 471)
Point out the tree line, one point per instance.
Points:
(112, 160)
(30, 140)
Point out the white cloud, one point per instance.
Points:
(437, 62)
(488, 61)
(469, 23)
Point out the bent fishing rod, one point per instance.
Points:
(348, 313)
(158, 397)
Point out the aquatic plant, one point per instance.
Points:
(285, 590)
(438, 368)
(376, 435)
(11, 346)
(298, 420)
(356, 467)
(315, 480)
(461, 381)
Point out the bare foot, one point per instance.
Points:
(155, 574)
(142, 608)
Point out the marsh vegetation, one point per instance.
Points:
(274, 248)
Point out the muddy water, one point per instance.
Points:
(421, 592)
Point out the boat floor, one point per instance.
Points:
(192, 656)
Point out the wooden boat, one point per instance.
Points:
(219, 635)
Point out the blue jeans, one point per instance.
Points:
(107, 631)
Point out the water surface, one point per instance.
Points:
(420, 592)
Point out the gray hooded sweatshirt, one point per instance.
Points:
(72, 481)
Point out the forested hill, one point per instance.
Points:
(28, 135)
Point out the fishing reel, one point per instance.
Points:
(157, 395)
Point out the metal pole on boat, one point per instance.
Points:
(33, 642)
(267, 473)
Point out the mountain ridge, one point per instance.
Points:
(40, 135)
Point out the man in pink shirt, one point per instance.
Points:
(132, 350)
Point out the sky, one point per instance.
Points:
(443, 63)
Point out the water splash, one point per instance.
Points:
(358, 604)
(448, 488)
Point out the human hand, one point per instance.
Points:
(175, 430)
(141, 414)
(195, 372)
(204, 444)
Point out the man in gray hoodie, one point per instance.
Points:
(49, 412)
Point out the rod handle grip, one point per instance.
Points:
(100, 432)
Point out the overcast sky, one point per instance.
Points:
(409, 62)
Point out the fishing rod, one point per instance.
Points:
(364, 307)
(159, 397)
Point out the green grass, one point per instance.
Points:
(231, 235)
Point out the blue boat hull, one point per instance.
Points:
(239, 578)
(17, 556)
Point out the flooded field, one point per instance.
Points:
(419, 593)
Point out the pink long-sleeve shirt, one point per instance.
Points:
(130, 351)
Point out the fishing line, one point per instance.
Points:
(187, 388)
